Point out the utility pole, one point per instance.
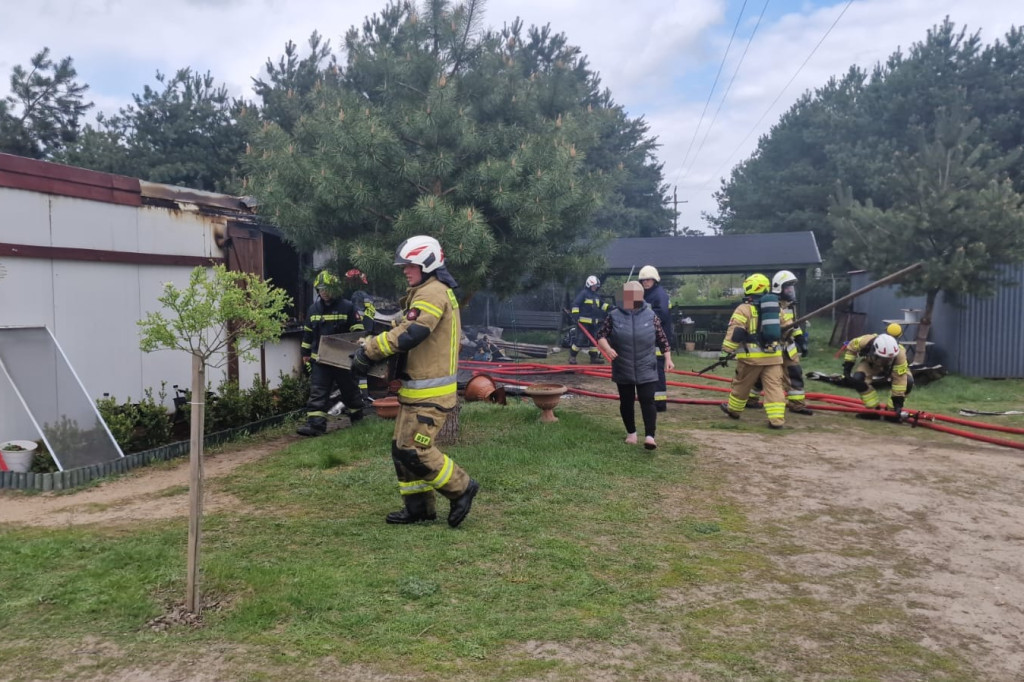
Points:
(675, 210)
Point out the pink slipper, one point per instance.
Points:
(649, 443)
(631, 438)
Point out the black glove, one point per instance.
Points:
(360, 362)
(847, 368)
(801, 345)
(724, 357)
(897, 405)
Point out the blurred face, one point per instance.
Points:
(325, 295)
(632, 297)
(413, 274)
(647, 283)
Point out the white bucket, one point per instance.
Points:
(18, 460)
(911, 316)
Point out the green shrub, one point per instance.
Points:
(137, 426)
(228, 409)
(261, 401)
(292, 393)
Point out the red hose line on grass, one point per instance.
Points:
(836, 403)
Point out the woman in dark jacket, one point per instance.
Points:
(630, 336)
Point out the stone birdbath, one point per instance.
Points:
(546, 397)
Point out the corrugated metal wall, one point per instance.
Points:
(979, 338)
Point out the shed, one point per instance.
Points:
(86, 255)
(972, 336)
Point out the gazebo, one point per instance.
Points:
(726, 254)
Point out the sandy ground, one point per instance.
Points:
(939, 522)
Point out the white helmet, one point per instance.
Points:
(420, 250)
(884, 346)
(593, 281)
(781, 278)
(649, 272)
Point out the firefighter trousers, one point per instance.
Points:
(420, 466)
(322, 381)
(774, 395)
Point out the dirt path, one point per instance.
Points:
(940, 525)
(142, 495)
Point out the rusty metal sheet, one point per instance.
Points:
(334, 350)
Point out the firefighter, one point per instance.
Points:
(656, 296)
(795, 343)
(588, 310)
(427, 341)
(329, 314)
(356, 281)
(753, 338)
(881, 355)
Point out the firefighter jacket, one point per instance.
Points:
(657, 298)
(791, 352)
(741, 338)
(337, 317)
(427, 335)
(588, 308)
(897, 369)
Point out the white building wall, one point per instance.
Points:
(93, 307)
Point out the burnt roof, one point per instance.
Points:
(712, 254)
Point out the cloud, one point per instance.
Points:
(658, 57)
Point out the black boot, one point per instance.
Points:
(461, 505)
(417, 508)
(312, 429)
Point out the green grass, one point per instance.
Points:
(636, 563)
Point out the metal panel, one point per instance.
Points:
(163, 230)
(24, 217)
(990, 332)
(79, 223)
(96, 308)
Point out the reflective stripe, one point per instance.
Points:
(328, 318)
(413, 487)
(869, 398)
(586, 320)
(775, 410)
(428, 392)
(316, 413)
(453, 362)
(447, 469)
(428, 308)
(383, 345)
(660, 395)
(736, 405)
(429, 383)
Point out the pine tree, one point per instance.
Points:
(43, 112)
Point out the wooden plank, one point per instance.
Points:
(99, 255)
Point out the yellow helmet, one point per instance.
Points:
(756, 284)
(894, 329)
(325, 280)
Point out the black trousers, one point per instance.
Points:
(321, 383)
(628, 394)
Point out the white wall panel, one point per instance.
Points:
(95, 308)
(84, 224)
(179, 233)
(26, 293)
(24, 217)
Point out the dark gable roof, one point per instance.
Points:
(728, 253)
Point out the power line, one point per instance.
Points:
(779, 96)
(712, 91)
(728, 88)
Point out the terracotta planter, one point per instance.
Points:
(386, 408)
(482, 387)
(546, 397)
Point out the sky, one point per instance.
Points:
(708, 76)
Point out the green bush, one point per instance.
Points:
(261, 401)
(228, 408)
(137, 426)
(292, 393)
